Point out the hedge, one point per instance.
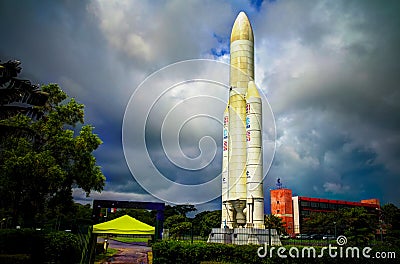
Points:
(41, 247)
(176, 252)
(15, 259)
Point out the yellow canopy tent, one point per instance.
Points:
(124, 225)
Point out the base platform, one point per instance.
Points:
(244, 236)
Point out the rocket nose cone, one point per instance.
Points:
(242, 15)
(242, 28)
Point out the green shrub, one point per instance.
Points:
(62, 247)
(20, 241)
(53, 247)
(15, 259)
(176, 252)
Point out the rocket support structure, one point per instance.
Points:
(242, 168)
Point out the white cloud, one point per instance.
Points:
(336, 187)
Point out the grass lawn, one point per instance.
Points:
(103, 257)
(131, 239)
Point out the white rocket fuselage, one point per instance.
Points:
(242, 192)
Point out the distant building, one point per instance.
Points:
(295, 210)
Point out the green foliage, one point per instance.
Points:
(177, 252)
(42, 247)
(355, 223)
(178, 225)
(15, 259)
(390, 221)
(18, 96)
(23, 241)
(204, 221)
(274, 222)
(359, 225)
(62, 247)
(173, 220)
(44, 158)
(178, 210)
(101, 256)
(322, 223)
(145, 216)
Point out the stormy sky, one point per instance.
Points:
(329, 69)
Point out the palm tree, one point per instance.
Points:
(18, 99)
(18, 96)
(274, 222)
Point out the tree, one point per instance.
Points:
(178, 225)
(40, 165)
(355, 223)
(14, 90)
(274, 222)
(390, 221)
(203, 222)
(143, 215)
(360, 225)
(322, 223)
(178, 210)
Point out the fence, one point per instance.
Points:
(84, 234)
(186, 236)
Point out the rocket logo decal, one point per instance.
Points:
(226, 120)
(247, 122)
(225, 145)
(225, 134)
(248, 136)
(247, 108)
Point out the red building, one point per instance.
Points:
(282, 206)
(294, 210)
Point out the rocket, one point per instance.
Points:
(242, 168)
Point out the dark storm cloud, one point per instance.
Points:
(332, 76)
(329, 68)
(61, 42)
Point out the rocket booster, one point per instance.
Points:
(242, 192)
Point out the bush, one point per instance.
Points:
(20, 241)
(176, 252)
(15, 259)
(54, 247)
(62, 247)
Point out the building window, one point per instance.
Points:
(277, 202)
(333, 206)
(305, 204)
(277, 211)
(314, 205)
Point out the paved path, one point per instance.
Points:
(129, 253)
